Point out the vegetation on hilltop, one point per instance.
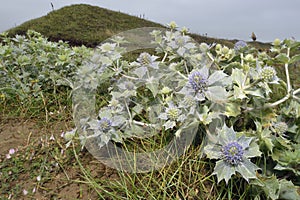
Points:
(88, 25)
(82, 24)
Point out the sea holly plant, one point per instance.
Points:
(233, 154)
(232, 92)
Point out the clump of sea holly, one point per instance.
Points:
(232, 153)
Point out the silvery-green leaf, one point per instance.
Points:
(266, 137)
(247, 169)
(136, 130)
(128, 93)
(213, 151)
(252, 151)
(232, 109)
(140, 72)
(118, 120)
(244, 141)
(226, 135)
(181, 118)
(105, 60)
(294, 59)
(169, 124)
(152, 85)
(238, 77)
(216, 76)
(239, 93)
(288, 190)
(94, 124)
(216, 94)
(255, 92)
(224, 171)
(104, 138)
(270, 185)
(282, 57)
(116, 137)
(205, 72)
(163, 116)
(207, 117)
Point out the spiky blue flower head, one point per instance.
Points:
(240, 45)
(198, 81)
(105, 124)
(233, 153)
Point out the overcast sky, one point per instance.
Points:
(229, 19)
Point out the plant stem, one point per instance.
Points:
(296, 91)
(165, 56)
(270, 105)
(286, 66)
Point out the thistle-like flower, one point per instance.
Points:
(198, 81)
(105, 124)
(107, 47)
(145, 59)
(280, 127)
(179, 43)
(201, 85)
(172, 115)
(268, 74)
(240, 45)
(232, 153)
(172, 25)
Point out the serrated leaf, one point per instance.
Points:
(247, 169)
(212, 151)
(169, 124)
(267, 140)
(140, 72)
(223, 171)
(282, 58)
(255, 92)
(232, 109)
(216, 94)
(270, 187)
(239, 93)
(216, 76)
(294, 59)
(252, 151)
(294, 44)
(152, 85)
(105, 60)
(288, 190)
(238, 77)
